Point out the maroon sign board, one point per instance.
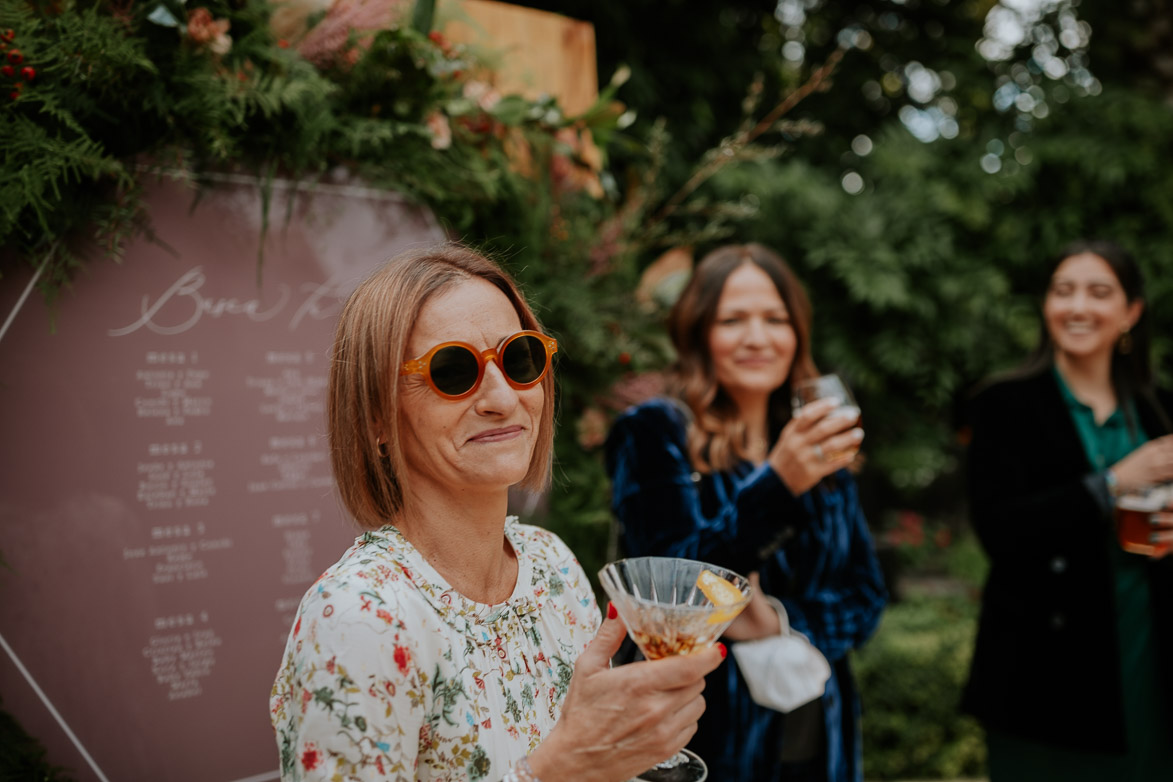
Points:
(165, 491)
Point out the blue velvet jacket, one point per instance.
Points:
(813, 551)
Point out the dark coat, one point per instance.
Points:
(1046, 663)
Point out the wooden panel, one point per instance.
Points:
(532, 52)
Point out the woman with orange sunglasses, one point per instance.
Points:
(451, 641)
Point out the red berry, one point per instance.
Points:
(14, 94)
(28, 73)
(15, 57)
(8, 71)
(9, 34)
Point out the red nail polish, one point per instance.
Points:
(612, 612)
(724, 651)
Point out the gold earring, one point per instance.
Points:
(1125, 343)
(381, 447)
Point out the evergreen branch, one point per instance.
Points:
(38, 167)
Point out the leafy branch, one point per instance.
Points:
(733, 148)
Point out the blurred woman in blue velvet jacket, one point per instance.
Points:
(720, 471)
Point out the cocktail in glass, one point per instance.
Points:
(827, 387)
(667, 613)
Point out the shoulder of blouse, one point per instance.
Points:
(539, 543)
(550, 560)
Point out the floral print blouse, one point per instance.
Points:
(390, 674)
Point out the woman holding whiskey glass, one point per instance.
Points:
(1070, 673)
(452, 642)
(722, 471)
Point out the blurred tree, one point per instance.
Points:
(927, 257)
(963, 142)
(691, 64)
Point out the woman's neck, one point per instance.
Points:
(463, 538)
(1090, 381)
(754, 414)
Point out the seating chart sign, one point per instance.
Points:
(166, 495)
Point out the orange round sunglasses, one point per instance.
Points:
(455, 369)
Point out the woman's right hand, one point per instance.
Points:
(815, 443)
(1150, 464)
(618, 722)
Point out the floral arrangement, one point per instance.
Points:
(102, 94)
(105, 94)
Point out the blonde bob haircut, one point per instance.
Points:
(370, 343)
(717, 438)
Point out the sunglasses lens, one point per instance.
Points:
(524, 359)
(453, 370)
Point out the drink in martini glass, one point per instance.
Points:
(674, 606)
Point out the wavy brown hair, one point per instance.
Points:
(716, 434)
(369, 348)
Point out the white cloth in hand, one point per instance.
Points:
(782, 671)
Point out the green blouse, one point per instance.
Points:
(1150, 757)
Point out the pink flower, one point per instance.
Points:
(439, 129)
(483, 94)
(329, 41)
(592, 428)
(206, 31)
(577, 168)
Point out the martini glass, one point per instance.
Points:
(666, 613)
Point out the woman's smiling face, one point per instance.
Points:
(751, 342)
(1086, 309)
(484, 441)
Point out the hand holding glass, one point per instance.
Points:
(667, 613)
(1140, 525)
(832, 386)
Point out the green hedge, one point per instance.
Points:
(910, 676)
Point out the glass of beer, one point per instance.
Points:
(1136, 524)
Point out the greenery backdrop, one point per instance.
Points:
(918, 162)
